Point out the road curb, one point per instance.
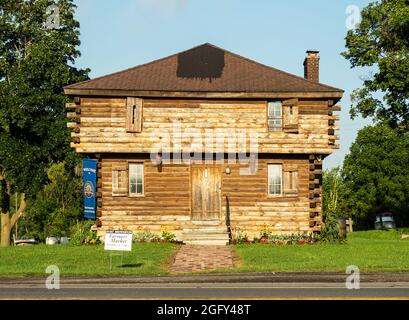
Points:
(222, 278)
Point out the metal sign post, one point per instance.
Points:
(111, 254)
(118, 240)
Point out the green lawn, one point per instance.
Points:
(371, 251)
(146, 259)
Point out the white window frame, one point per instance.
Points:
(276, 116)
(279, 169)
(137, 173)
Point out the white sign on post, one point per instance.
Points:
(118, 240)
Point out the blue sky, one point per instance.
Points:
(116, 35)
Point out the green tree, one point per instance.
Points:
(333, 190)
(36, 61)
(376, 172)
(56, 207)
(381, 42)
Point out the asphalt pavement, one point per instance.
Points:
(209, 291)
(213, 286)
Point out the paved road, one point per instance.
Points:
(395, 290)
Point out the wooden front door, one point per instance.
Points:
(206, 188)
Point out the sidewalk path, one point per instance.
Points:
(192, 258)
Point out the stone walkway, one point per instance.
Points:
(192, 258)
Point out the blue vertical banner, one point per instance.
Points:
(89, 182)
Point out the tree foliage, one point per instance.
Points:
(333, 190)
(35, 64)
(56, 207)
(381, 42)
(376, 175)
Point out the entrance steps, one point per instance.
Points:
(206, 232)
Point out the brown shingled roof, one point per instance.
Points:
(205, 68)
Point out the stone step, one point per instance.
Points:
(209, 242)
(205, 230)
(206, 222)
(198, 236)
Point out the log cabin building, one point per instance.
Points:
(206, 140)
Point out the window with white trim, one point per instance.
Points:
(275, 179)
(275, 116)
(136, 181)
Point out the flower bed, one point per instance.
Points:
(147, 236)
(267, 237)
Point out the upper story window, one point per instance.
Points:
(275, 116)
(136, 181)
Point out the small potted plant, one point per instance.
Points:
(264, 234)
(247, 241)
(263, 239)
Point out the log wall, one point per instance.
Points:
(100, 126)
(167, 198)
(252, 209)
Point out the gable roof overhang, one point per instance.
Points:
(205, 71)
(200, 94)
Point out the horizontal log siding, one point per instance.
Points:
(167, 199)
(102, 125)
(251, 208)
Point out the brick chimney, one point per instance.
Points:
(312, 66)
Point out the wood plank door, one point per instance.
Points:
(206, 191)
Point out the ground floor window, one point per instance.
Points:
(136, 181)
(274, 179)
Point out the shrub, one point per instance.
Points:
(238, 236)
(331, 213)
(291, 239)
(56, 225)
(265, 231)
(167, 235)
(145, 236)
(52, 211)
(81, 234)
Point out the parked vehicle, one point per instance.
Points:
(22, 242)
(64, 240)
(52, 240)
(384, 220)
